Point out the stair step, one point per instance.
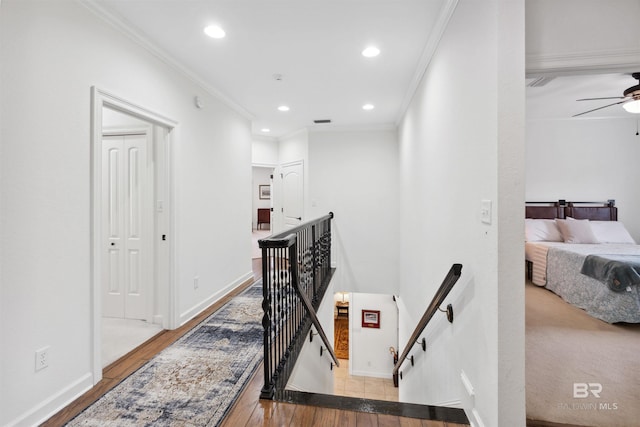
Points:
(401, 409)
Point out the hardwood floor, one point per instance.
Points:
(113, 374)
(248, 410)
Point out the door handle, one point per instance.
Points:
(299, 218)
(113, 244)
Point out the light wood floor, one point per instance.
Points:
(248, 410)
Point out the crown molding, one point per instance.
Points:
(353, 128)
(427, 55)
(126, 28)
(611, 60)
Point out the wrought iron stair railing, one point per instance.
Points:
(449, 281)
(296, 271)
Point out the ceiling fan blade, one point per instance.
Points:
(597, 99)
(599, 108)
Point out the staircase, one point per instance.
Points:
(296, 271)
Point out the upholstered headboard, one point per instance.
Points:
(599, 211)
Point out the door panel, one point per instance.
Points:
(126, 261)
(292, 194)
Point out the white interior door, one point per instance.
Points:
(292, 194)
(126, 262)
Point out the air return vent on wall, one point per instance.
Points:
(322, 121)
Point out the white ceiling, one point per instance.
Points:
(314, 44)
(557, 99)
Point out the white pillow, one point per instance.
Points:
(576, 231)
(541, 230)
(611, 232)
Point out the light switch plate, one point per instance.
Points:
(485, 211)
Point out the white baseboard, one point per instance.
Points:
(372, 374)
(55, 403)
(198, 308)
(456, 403)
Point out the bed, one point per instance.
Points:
(580, 251)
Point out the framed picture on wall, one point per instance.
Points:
(371, 319)
(264, 192)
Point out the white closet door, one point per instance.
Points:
(126, 261)
(292, 194)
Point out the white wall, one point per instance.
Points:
(264, 151)
(455, 151)
(312, 371)
(585, 160)
(369, 347)
(582, 35)
(354, 174)
(52, 53)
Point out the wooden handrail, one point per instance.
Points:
(447, 284)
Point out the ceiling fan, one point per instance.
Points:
(630, 99)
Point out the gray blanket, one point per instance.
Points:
(618, 272)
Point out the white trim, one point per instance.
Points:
(124, 131)
(99, 100)
(54, 404)
(126, 28)
(454, 403)
(615, 60)
(115, 102)
(427, 55)
(352, 128)
(201, 306)
(372, 374)
(476, 415)
(264, 165)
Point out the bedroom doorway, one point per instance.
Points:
(131, 240)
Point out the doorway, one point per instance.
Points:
(131, 224)
(262, 206)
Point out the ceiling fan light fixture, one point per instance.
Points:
(632, 106)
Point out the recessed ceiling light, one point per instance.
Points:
(214, 32)
(371, 52)
(368, 107)
(283, 108)
(265, 130)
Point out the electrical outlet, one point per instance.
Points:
(196, 282)
(42, 358)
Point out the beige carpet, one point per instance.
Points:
(120, 336)
(566, 346)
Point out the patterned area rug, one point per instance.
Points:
(341, 337)
(193, 382)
